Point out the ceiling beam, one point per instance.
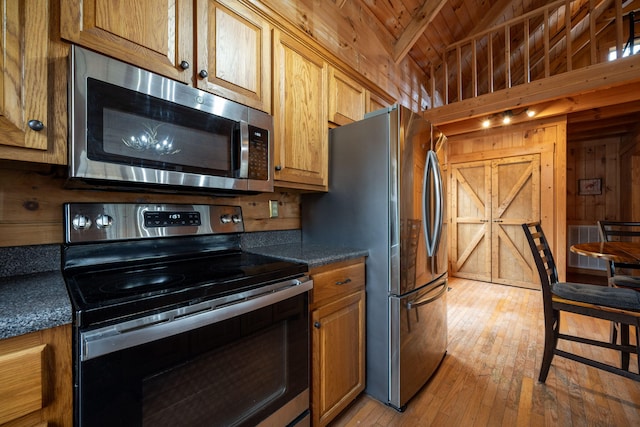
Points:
(416, 27)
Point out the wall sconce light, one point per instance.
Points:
(530, 112)
(486, 123)
(506, 117)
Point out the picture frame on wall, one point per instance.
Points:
(589, 187)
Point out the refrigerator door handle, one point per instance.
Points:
(432, 172)
(429, 299)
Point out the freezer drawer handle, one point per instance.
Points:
(348, 280)
(414, 304)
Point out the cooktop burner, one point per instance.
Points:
(138, 282)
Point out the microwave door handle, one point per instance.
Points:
(244, 149)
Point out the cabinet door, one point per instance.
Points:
(375, 102)
(347, 98)
(338, 356)
(300, 115)
(157, 36)
(29, 119)
(36, 386)
(233, 53)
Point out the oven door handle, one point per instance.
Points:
(109, 339)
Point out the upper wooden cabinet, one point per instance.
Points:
(221, 47)
(157, 36)
(347, 98)
(375, 102)
(233, 47)
(300, 115)
(33, 84)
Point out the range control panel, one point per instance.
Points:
(96, 222)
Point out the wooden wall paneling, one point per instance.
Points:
(593, 159)
(31, 208)
(572, 189)
(630, 176)
(557, 222)
(611, 181)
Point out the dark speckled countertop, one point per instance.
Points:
(33, 295)
(288, 245)
(32, 302)
(313, 255)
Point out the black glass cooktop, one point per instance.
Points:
(103, 294)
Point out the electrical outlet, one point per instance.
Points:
(273, 208)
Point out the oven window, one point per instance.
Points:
(132, 128)
(232, 373)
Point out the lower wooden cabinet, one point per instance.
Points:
(337, 339)
(35, 379)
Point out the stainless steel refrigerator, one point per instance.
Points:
(386, 195)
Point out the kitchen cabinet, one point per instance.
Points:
(347, 98)
(490, 201)
(220, 47)
(33, 87)
(375, 102)
(337, 342)
(233, 47)
(300, 115)
(157, 36)
(35, 379)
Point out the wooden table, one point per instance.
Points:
(622, 252)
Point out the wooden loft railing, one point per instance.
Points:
(557, 38)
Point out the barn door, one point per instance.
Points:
(490, 199)
(515, 199)
(470, 220)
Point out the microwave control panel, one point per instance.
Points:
(258, 153)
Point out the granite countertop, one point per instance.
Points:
(33, 294)
(32, 302)
(311, 254)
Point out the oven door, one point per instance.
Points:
(238, 365)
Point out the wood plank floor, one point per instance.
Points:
(489, 375)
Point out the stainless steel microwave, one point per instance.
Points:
(132, 128)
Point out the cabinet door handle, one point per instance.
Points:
(184, 65)
(203, 74)
(347, 280)
(316, 325)
(278, 167)
(36, 125)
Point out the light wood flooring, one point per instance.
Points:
(489, 375)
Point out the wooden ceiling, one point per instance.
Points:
(424, 29)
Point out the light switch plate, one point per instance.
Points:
(273, 208)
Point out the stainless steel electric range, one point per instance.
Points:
(176, 325)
